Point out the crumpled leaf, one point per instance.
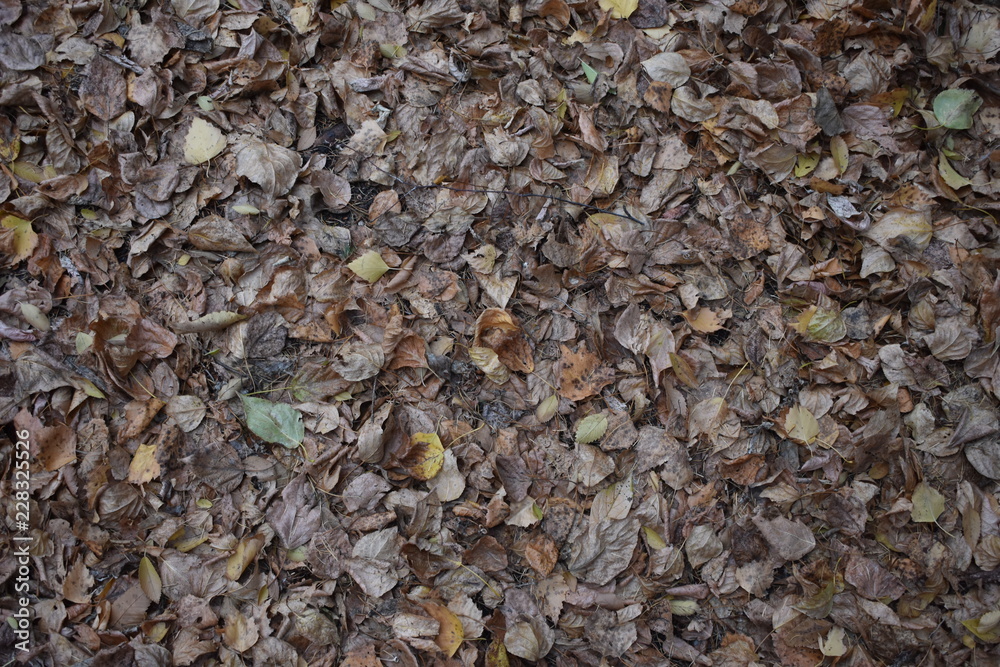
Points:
(529, 638)
(279, 423)
(489, 363)
(791, 540)
(372, 562)
(669, 67)
(272, 167)
(902, 226)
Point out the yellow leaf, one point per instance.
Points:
(801, 425)
(591, 428)
(203, 142)
(157, 632)
(83, 342)
(703, 320)
(928, 504)
(805, 164)
(451, 635)
(949, 175)
(838, 147)
(25, 238)
(496, 655)
(245, 553)
(144, 466)
(428, 456)
(488, 362)
(29, 171)
(546, 410)
(986, 627)
(620, 9)
(833, 645)
(149, 580)
(369, 266)
(89, 388)
(653, 539)
(246, 209)
(683, 607)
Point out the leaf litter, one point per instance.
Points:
(604, 332)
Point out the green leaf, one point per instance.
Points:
(928, 504)
(954, 108)
(279, 423)
(589, 72)
(591, 428)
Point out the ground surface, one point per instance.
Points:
(479, 333)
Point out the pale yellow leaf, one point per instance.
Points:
(949, 175)
(370, 266)
(25, 238)
(488, 362)
(620, 9)
(34, 316)
(801, 425)
(149, 579)
(838, 147)
(546, 410)
(203, 142)
(928, 504)
(833, 645)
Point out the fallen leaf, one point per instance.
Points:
(591, 428)
(928, 504)
(425, 457)
(955, 108)
(203, 142)
(279, 423)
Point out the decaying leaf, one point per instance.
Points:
(425, 456)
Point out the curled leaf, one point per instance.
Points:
(212, 322)
(488, 362)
